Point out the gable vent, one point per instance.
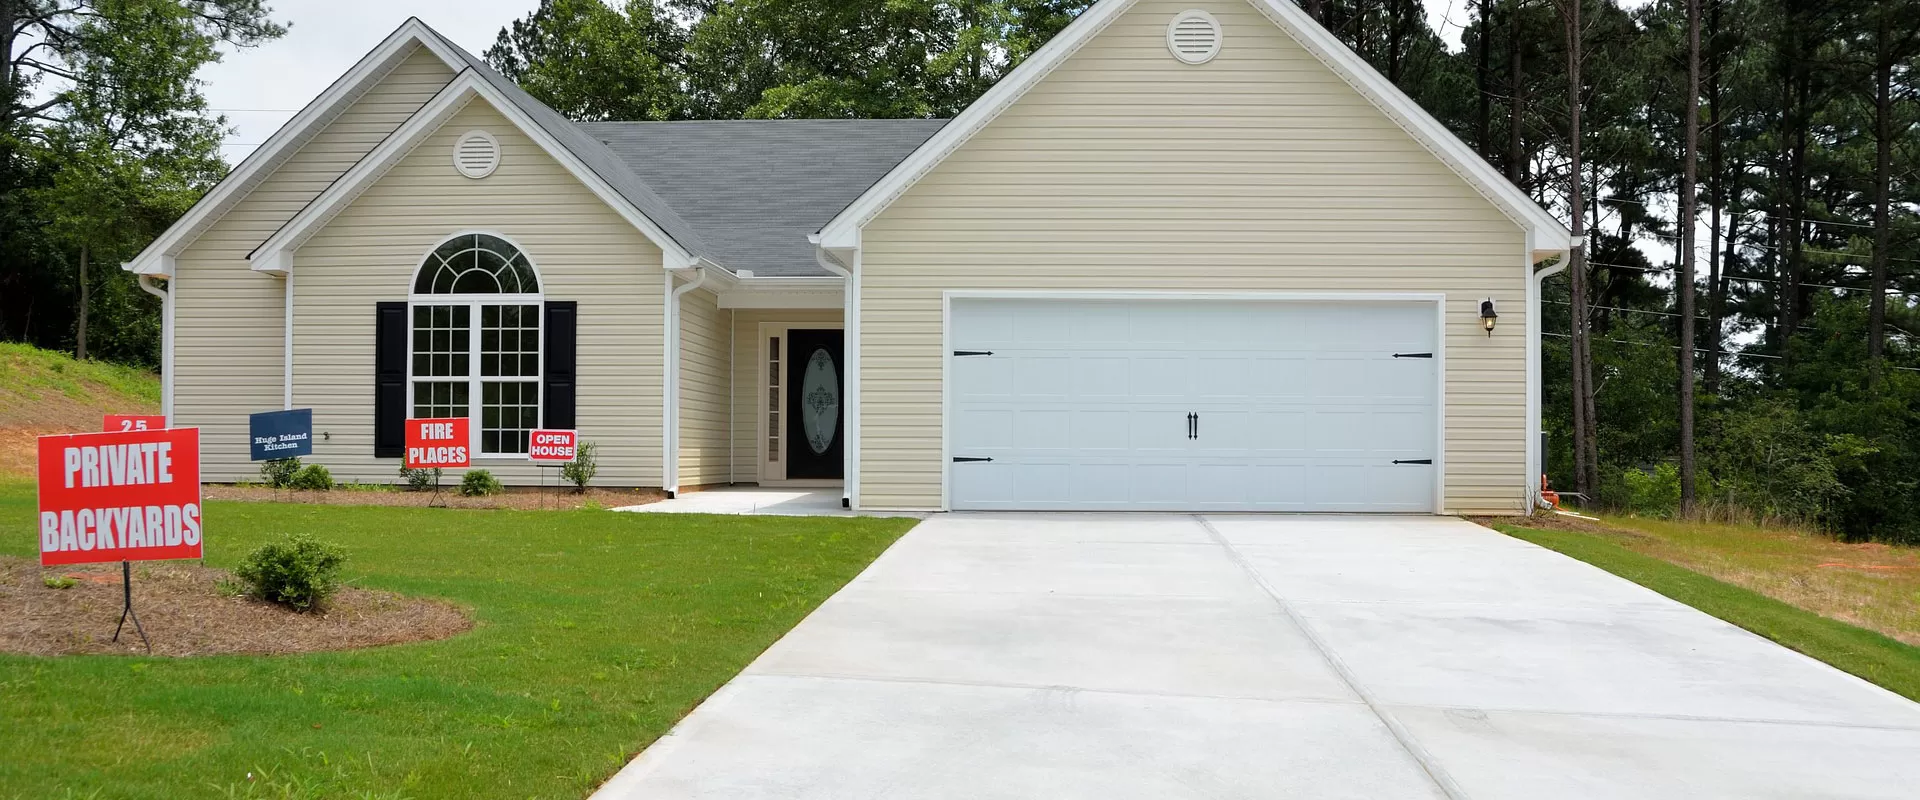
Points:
(1194, 37)
(477, 154)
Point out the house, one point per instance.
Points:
(1191, 255)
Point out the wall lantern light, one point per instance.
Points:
(1487, 316)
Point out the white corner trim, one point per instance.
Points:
(158, 256)
(286, 399)
(276, 252)
(1548, 234)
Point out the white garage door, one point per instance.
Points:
(1207, 405)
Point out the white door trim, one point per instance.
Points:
(766, 471)
(1438, 299)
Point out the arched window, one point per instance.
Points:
(476, 335)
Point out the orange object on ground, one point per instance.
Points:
(1548, 494)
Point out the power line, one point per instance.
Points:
(1808, 221)
(1735, 354)
(1667, 270)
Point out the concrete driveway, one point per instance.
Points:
(1158, 656)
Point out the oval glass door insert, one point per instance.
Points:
(820, 401)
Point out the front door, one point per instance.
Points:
(815, 384)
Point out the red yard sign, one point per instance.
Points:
(438, 443)
(120, 496)
(121, 423)
(554, 447)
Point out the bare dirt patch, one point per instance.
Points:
(1549, 521)
(186, 614)
(518, 498)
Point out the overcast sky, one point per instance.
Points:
(261, 88)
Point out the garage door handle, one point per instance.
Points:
(973, 352)
(968, 459)
(1412, 355)
(1414, 461)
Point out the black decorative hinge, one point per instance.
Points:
(973, 352)
(1414, 461)
(1412, 355)
(968, 459)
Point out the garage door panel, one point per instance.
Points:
(1299, 406)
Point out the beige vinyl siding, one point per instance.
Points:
(1125, 169)
(229, 353)
(705, 365)
(584, 252)
(750, 379)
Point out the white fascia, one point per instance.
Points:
(276, 254)
(158, 257)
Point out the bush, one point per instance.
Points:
(312, 478)
(299, 572)
(479, 483)
(1767, 462)
(420, 480)
(1655, 493)
(580, 470)
(278, 473)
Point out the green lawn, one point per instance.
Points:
(1875, 657)
(595, 632)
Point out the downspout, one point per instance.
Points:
(166, 341)
(850, 322)
(1536, 457)
(286, 391)
(670, 390)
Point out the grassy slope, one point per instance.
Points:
(596, 632)
(1877, 658)
(30, 376)
(1874, 586)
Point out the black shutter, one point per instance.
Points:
(390, 380)
(557, 389)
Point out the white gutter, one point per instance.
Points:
(850, 322)
(670, 390)
(166, 339)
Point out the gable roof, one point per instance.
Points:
(1544, 231)
(755, 189)
(596, 168)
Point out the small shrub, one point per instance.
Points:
(420, 480)
(1655, 493)
(299, 572)
(60, 582)
(312, 478)
(479, 483)
(278, 473)
(580, 470)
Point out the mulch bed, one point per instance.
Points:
(519, 498)
(185, 614)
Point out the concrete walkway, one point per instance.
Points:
(754, 500)
(1145, 656)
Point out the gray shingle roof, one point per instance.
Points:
(592, 153)
(754, 189)
(741, 193)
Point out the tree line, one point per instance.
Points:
(1736, 336)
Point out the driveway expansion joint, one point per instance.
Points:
(1428, 764)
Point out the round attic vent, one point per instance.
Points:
(477, 154)
(1194, 36)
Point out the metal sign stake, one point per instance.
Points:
(126, 594)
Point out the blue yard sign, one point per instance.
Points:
(281, 434)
